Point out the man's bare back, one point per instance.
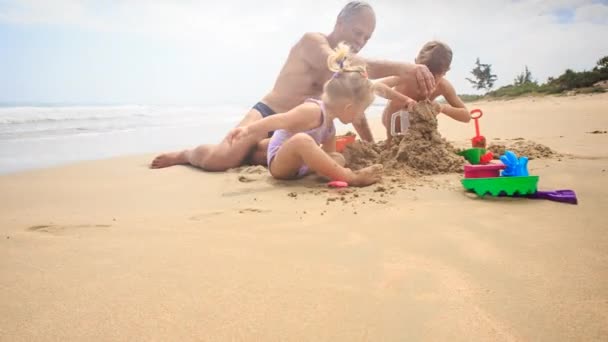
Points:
(299, 79)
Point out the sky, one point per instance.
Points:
(230, 52)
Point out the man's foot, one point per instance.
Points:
(368, 175)
(169, 159)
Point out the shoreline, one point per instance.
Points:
(455, 132)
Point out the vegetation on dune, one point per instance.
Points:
(577, 82)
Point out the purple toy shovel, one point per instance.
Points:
(562, 196)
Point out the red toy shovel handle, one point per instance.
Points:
(475, 115)
(478, 112)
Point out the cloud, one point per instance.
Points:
(506, 34)
(245, 42)
(594, 13)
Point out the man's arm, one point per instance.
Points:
(384, 68)
(316, 50)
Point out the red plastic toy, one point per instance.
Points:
(344, 140)
(486, 158)
(478, 140)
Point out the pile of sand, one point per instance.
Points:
(420, 151)
(522, 147)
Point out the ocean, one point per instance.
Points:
(34, 137)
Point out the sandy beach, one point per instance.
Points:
(110, 250)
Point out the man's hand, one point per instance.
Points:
(426, 80)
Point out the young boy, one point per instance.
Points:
(437, 57)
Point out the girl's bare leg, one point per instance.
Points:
(301, 149)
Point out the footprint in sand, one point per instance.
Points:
(206, 215)
(55, 229)
(251, 170)
(245, 179)
(253, 210)
(210, 214)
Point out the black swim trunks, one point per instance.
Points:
(265, 111)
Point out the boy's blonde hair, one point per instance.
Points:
(349, 81)
(437, 56)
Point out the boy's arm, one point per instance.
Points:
(455, 108)
(382, 87)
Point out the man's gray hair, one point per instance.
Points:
(353, 8)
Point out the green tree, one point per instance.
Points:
(524, 78)
(602, 65)
(482, 76)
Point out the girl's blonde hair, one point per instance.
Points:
(349, 82)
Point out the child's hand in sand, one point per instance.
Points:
(237, 134)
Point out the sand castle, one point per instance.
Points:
(420, 151)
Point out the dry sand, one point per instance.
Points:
(420, 151)
(110, 250)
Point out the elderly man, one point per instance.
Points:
(303, 76)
